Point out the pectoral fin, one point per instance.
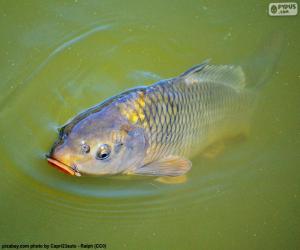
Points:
(169, 166)
(172, 179)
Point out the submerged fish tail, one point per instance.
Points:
(261, 66)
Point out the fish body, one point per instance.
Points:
(154, 130)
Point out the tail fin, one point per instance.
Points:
(261, 66)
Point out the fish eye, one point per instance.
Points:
(85, 148)
(103, 152)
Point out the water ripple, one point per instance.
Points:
(59, 90)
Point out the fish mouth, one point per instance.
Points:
(63, 167)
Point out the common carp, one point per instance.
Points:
(155, 130)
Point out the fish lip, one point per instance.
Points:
(65, 168)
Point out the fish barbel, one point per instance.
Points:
(154, 130)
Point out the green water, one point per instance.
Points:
(58, 58)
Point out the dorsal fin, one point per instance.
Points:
(195, 69)
(224, 74)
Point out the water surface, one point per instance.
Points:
(58, 58)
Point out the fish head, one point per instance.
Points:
(102, 143)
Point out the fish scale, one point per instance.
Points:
(181, 116)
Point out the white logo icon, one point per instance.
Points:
(283, 9)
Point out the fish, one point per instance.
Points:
(155, 130)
